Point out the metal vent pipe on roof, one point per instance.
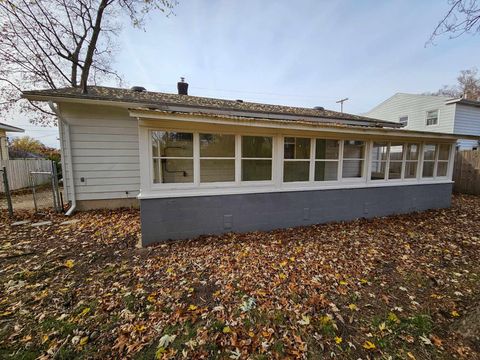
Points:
(182, 87)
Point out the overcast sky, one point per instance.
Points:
(303, 53)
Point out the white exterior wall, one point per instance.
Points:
(3, 146)
(416, 107)
(467, 121)
(105, 152)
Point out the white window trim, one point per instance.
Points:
(150, 190)
(438, 117)
(403, 116)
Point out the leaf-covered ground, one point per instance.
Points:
(400, 287)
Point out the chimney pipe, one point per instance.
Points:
(182, 87)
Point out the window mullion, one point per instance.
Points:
(196, 159)
(340, 159)
(313, 145)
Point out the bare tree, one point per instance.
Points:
(462, 17)
(62, 43)
(468, 86)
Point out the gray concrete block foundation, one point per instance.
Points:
(187, 217)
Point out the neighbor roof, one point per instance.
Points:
(10, 128)
(167, 101)
(463, 101)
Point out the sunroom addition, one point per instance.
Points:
(195, 160)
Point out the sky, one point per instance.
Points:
(300, 53)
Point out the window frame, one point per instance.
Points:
(315, 160)
(309, 160)
(400, 120)
(200, 158)
(438, 117)
(365, 161)
(153, 158)
(153, 190)
(241, 158)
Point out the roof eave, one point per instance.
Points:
(10, 128)
(34, 96)
(296, 125)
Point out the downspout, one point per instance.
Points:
(68, 152)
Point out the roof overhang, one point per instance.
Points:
(305, 125)
(10, 128)
(206, 110)
(462, 101)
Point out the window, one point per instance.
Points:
(256, 158)
(296, 159)
(326, 159)
(403, 120)
(429, 153)
(411, 162)
(443, 155)
(379, 160)
(432, 117)
(353, 159)
(172, 157)
(395, 161)
(217, 158)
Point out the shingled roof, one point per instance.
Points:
(162, 100)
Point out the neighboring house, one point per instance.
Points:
(4, 128)
(207, 166)
(432, 113)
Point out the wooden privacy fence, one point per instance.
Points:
(18, 172)
(466, 172)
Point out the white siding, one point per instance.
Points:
(467, 121)
(105, 152)
(3, 146)
(415, 107)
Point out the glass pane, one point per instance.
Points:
(352, 168)
(296, 171)
(432, 117)
(353, 149)
(327, 149)
(256, 170)
(412, 151)
(296, 148)
(217, 170)
(443, 151)
(411, 170)
(172, 144)
(379, 151)
(256, 147)
(442, 167)
(326, 170)
(428, 168)
(396, 151)
(429, 152)
(168, 171)
(395, 170)
(378, 170)
(215, 145)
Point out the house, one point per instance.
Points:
(432, 113)
(4, 128)
(207, 166)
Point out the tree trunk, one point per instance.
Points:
(91, 46)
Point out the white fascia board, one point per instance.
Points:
(278, 124)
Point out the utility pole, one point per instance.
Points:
(341, 101)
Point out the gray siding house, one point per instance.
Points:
(199, 165)
(432, 113)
